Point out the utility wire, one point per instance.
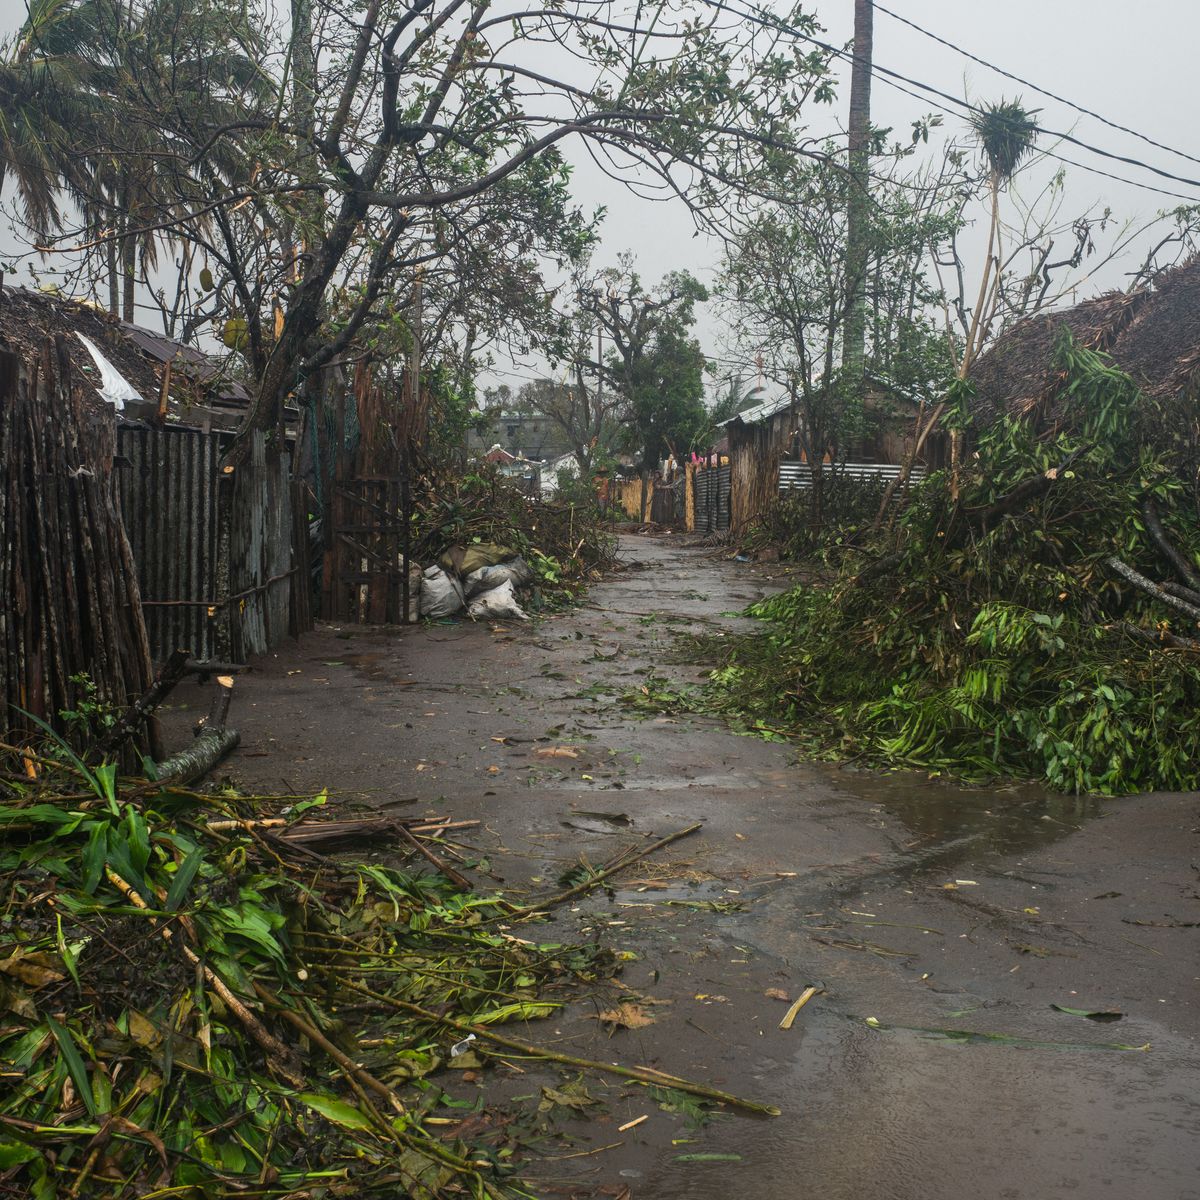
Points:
(887, 75)
(1070, 162)
(1079, 108)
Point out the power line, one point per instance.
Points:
(889, 76)
(1070, 162)
(1079, 108)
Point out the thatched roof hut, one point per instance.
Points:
(1153, 334)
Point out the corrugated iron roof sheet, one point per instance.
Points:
(760, 412)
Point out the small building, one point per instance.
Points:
(1152, 334)
(531, 434)
(221, 558)
(767, 454)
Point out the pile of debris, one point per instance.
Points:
(480, 578)
(199, 1001)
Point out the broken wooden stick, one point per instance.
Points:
(213, 741)
(456, 877)
(647, 1075)
(789, 1017)
(622, 862)
(126, 724)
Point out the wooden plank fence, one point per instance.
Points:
(221, 559)
(366, 579)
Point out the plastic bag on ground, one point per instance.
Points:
(464, 560)
(441, 594)
(496, 604)
(516, 571)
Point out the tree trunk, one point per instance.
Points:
(858, 212)
(114, 279)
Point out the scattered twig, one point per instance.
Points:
(647, 1075)
(456, 877)
(587, 885)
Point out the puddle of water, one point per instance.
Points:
(1003, 820)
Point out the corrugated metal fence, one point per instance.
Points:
(799, 475)
(218, 564)
(712, 499)
(168, 497)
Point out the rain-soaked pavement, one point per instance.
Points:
(916, 904)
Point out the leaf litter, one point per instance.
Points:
(193, 1004)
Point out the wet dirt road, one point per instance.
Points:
(914, 903)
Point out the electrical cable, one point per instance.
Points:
(887, 75)
(1079, 108)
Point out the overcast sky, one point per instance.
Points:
(1132, 63)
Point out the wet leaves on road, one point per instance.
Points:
(626, 1015)
(1091, 1014)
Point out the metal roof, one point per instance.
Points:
(760, 412)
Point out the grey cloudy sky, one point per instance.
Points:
(1133, 63)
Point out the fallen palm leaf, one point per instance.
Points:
(1101, 1015)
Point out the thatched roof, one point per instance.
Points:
(1153, 334)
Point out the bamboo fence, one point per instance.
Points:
(70, 611)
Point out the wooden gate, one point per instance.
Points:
(366, 577)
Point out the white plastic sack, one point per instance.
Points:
(516, 571)
(441, 594)
(114, 387)
(496, 604)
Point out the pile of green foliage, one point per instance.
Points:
(989, 633)
(848, 508)
(561, 539)
(193, 1006)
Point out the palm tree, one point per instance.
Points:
(1006, 132)
(91, 96)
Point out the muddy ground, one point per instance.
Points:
(922, 906)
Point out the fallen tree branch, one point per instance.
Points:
(647, 1075)
(1154, 527)
(1160, 638)
(1184, 593)
(213, 741)
(1152, 589)
(343, 1060)
(194, 763)
(880, 566)
(1027, 489)
(586, 886)
(169, 675)
(459, 880)
(282, 1058)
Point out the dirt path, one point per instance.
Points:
(917, 904)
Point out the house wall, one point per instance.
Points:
(755, 452)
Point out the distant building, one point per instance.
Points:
(530, 434)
